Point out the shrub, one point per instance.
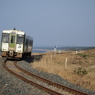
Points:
(83, 55)
(80, 71)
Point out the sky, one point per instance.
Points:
(51, 22)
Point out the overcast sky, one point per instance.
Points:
(51, 22)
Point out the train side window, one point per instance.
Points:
(26, 41)
(30, 42)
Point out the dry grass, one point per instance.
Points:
(56, 64)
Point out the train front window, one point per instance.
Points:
(5, 37)
(12, 39)
(20, 39)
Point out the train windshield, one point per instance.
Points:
(5, 37)
(20, 39)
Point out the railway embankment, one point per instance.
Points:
(11, 85)
(76, 67)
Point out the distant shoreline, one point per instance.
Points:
(51, 49)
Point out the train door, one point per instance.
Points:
(12, 42)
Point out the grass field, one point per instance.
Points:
(76, 67)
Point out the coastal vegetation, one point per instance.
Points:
(76, 67)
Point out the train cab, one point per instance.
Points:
(15, 43)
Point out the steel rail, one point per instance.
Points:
(31, 82)
(73, 91)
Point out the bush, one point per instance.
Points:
(80, 71)
(83, 55)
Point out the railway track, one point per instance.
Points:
(70, 90)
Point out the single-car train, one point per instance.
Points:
(16, 44)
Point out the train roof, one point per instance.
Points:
(14, 32)
(28, 37)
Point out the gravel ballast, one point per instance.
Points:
(11, 85)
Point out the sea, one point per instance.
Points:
(60, 48)
(40, 51)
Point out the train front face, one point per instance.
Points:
(12, 43)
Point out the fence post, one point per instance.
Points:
(65, 63)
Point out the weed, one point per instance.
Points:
(59, 62)
(80, 71)
(85, 55)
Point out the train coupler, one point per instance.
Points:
(11, 53)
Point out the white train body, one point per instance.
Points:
(15, 43)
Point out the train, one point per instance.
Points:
(16, 44)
